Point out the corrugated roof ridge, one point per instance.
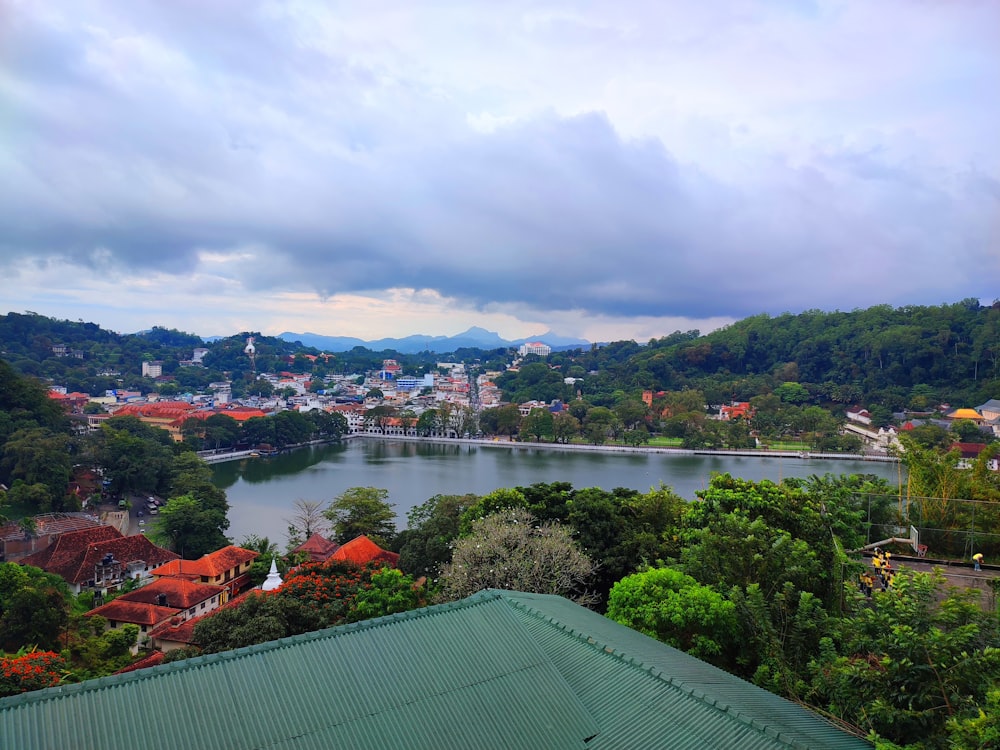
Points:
(196, 662)
(713, 702)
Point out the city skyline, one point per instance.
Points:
(601, 172)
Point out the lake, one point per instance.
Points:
(262, 491)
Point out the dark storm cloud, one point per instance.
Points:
(142, 145)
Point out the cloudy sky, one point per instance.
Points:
(605, 170)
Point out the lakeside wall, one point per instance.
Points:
(213, 458)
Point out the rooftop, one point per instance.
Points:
(362, 550)
(497, 670)
(210, 565)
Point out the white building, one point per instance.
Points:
(535, 347)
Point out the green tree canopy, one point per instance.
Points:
(361, 511)
(672, 607)
(511, 550)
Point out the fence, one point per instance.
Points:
(949, 527)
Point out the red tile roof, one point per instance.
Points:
(178, 630)
(156, 409)
(210, 565)
(137, 613)
(50, 524)
(75, 554)
(179, 593)
(362, 550)
(970, 450)
(317, 547)
(152, 660)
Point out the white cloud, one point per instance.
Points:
(610, 168)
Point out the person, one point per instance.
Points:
(978, 559)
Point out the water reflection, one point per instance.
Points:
(262, 491)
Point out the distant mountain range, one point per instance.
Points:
(475, 337)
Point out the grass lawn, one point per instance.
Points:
(665, 442)
(788, 446)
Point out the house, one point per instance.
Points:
(990, 410)
(362, 550)
(99, 559)
(316, 548)
(165, 599)
(969, 452)
(500, 669)
(859, 414)
(15, 544)
(178, 632)
(736, 410)
(168, 415)
(228, 567)
(970, 414)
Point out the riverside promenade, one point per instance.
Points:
(212, 457)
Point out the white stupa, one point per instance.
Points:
(273, 580)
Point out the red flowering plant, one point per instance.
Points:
(336, 588)
(30, 671)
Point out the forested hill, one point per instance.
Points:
(893, 357)
(879, 355)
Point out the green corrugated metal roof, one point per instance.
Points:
(496, 670)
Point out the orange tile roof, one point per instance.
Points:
(179, 593)
(362, 550)
(178, 630)
(137, 613)
(241, 414)
(211, 565)
(157, 409)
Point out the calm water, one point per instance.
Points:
(262, 491)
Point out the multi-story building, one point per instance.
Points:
(535, 347)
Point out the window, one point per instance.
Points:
(202, 605)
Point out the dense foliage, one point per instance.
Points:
(312, 596)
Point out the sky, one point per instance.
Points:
(603, 170)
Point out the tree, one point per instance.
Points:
(258, 618)
(135, 457)
(565, 427)
(538, 424)
(500, 499)
(28, 671)
(597, 425)
(34, 607)
(307, 520)
(425, 546)
(267, 551)
(510, 550)
(966, 431)
(362, 511)
(190, 529)
(40, 456)
(631, 412)
(389, 591)
(192, 476)
(672, 607)
(913, 662)
(508, 418)
(427, 422)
